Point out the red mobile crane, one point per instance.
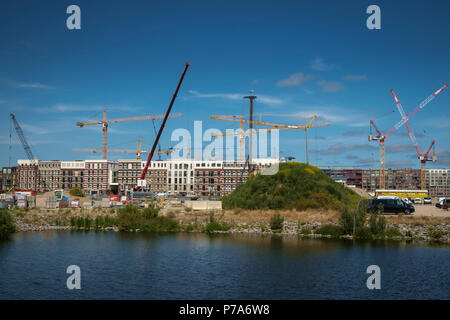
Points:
(422, 156)
(141, 181)
(383, 136)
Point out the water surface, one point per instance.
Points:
(198, 266)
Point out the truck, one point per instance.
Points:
(412, 194)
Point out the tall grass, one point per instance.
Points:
(131, 218)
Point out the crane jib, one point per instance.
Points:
(155, 143)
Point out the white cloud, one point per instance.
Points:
(30, 85)
(236, 96)
(330, 86)
(355, 77)
(294, 80)
(443, 157)
(339, 148)
(66, 108)
(320, 65)
(335, 115)
(33, 129)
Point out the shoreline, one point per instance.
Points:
(418, 234)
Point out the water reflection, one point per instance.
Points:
(220, 266)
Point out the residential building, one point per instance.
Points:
(28, 174)
(438, 182)
(9, 178)
(49, 175)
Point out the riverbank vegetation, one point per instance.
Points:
(214, 225)
(131, 218)
(359, 224)
(295, 186)
(315, 223)
(7, 225)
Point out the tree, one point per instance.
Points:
(76, 192)
(7, 225)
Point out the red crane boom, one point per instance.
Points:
(155, 143)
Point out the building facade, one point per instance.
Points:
(9, 178)
(28, 172)
(437, 180)
(49, 175)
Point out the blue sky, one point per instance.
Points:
(300, 57)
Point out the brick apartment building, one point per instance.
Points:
(9, 178)
(49, 175)
(437, 180)
(28, 174)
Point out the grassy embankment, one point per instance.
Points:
(295, 186)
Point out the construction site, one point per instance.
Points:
(114, 183)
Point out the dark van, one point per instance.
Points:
(391, 205)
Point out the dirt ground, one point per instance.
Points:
(430, 210)
(257, 216)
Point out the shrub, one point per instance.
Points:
(151, 211)
(393, 232)
(363, 233)
(330, 229)
(98, 222)
(76, 192)
(377, 224)
(131, 218)
(305, 231)
(216, 226)
(171, 214)
(346, 222)
(7, 225)
(20, 213)
(276, 222)
(435, 234)
(87, 223)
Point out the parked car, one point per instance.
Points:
(446, 204)
(427, 200)
(440, 203)
(391, 205)
(418, 200)
(407, 200)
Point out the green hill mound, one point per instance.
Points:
(295, 186)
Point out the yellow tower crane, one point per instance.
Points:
(105, 123)
(241, 120)
(138, 152)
